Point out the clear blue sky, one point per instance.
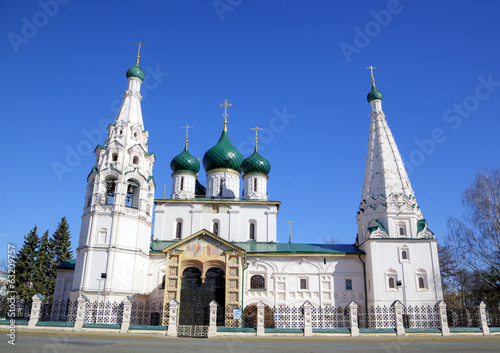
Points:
(63, 73)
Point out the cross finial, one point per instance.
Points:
(371, 70)
(289, 231)
(187, 127)
(139, 52)
(225, 115)
(256, 130)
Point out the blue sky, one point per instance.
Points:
(295, 68)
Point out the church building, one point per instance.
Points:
(220, 240)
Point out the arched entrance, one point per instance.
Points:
(196, 295)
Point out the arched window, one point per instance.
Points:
(421, 283)
(110, 191)
(391, 283)
(221, 187)
(178, 230)
(402, 229)
(215, 228)
(182, 183)
(404, 255)
(257, 282)
(251, 233)
(254, 184)
(132, 198)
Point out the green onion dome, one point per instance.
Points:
(223, 155)
(136, 71)
(185, 162)
(256, 164)
(374, 94)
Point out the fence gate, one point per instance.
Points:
(196, 295)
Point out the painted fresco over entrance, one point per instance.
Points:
(204, 247)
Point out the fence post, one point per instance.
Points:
(398, 314)
(307, 307)
(36, 309)
(443, 318)
(172, 319)
(260, 318)
(353, 316)
(481, 311)
(212, 328)
(80, 312)
(127, 311)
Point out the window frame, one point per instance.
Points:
(262, 284)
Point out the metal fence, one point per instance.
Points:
(149, 314)
(335, 317)
(103, 313)
(13, 308)
(423, 316)
(59, 310)
(376, 317)
(493, 317)
(463, 317)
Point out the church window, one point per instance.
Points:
(391, 280)
(135, 134)
(182, 183)
(163, 283)
(121, 132)
(257, 282)
(348, 284)
(115, 157)
(135, 160)
(421, 283)
(178, 230)
(404, 255)
(254, 184)
(251, 234)
(110, 191)
(215, 228)
(303, 283)
(401, 229)
(391, 283)
(221, 187)
(421, 280)
(132, 199)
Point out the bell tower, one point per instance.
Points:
(113, 248)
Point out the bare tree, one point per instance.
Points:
(475, 238)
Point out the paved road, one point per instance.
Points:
(32, 343)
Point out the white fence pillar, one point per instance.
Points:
(443, 318)
(260, 319)
(353, 317)
(212, 328)
(80, 312)
(172, 319)
(307, 307)
(127, 311)
(481, 312)
(36, 309)
(398, 314)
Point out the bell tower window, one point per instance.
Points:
(254, 184)
(182, 183)
(221, 187)
(114, 157)
(215, 228)
(132, 199)
(135, 160)
(110, 191)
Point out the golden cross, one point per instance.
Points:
(187, 127)
(371, 70)
(289, 231)
(256, 130)
(164, 190)
(139, 52)
(225, 115)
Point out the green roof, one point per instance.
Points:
(185, 162)
(136, 71)
(256, 164)
(223, 155)
(379, 226)
(374, 94)
(253, 247)
(67, 265)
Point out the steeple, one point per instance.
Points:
(387, 202)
